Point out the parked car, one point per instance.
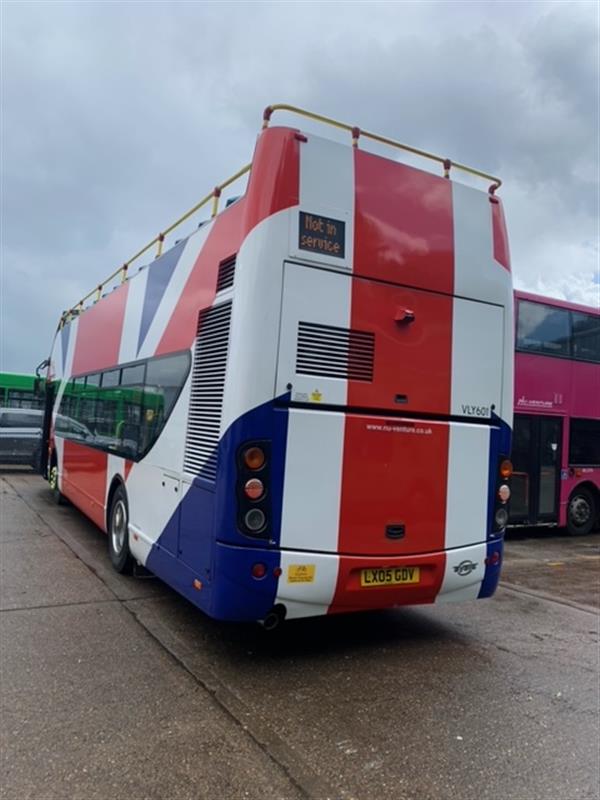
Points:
(20, 436)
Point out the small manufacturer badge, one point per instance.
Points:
(465, 568)
(316, 396)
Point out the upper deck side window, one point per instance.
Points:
(557, 332)
(543, 329)
(586, 336)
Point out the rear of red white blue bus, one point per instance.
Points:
(339, 440)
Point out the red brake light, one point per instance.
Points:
(254, 489)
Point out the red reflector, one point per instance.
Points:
(259, 570)
(197, 584)
(493, 560)
(277, 571)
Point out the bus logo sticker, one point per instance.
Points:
(465, 568)
(301, 573)
(322, 235)
(316, 396)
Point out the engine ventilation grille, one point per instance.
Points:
(206, 397)
(226, 274)
(334, 352)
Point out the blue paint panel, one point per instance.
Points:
(65, 335)
(159, 275)
(265, 422)
(210, 547)
(236, 595)
(196, 531)
(491, 577)
(500, 445)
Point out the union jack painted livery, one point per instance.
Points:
(342, 334)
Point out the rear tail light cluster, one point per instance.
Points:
(502, 495)
(253, 489)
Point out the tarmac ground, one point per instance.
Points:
(117, 688)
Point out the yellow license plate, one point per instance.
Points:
(389, 576)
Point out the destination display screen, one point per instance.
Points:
(322, 235)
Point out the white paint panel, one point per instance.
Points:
(326, 189)
(312, 486)
(478, 275)
(173, 292)
(253, 342)
(115, 465)
(136, 291)
(457, 587)
(467, 487)
(151, 505)
(307, 599)
(318, 296)
(477, 358)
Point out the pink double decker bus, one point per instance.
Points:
(303, 406)
(556, 440)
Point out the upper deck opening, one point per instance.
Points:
(121, 274)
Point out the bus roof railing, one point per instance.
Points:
(215, 194)
(357, 132)
(158, 240)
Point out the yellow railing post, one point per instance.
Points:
(269, 111)
(215, 203)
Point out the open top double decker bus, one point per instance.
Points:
(304, 407)
(556, 444)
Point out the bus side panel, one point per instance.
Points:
(84, 472)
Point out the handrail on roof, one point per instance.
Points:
(358, 132)
(158, 240)
(216, 192)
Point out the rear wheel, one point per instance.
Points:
(118, 533)
(582, 512)
(57, 496)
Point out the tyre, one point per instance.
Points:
(582, 512)
(57, 495)
(118, 533)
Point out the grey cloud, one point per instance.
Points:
(117, 117)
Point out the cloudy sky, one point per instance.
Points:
(118, 116)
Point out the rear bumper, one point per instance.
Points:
(331, 584)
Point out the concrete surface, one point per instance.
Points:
(116, 687)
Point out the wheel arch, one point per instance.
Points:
(116, 483)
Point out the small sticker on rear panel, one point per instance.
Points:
(301, 573)
(322, 235)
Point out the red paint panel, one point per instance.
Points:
(351, 596)
(224, 239)
(275, 178)
(394, 473)
(412, 358)
(403, 229)
(99, 333)
(273, 186)
(128, 466)
(84, 479)
(501, 253)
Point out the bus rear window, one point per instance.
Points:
(584, 442)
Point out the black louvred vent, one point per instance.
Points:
(226, 274)
(334, 352)
(206, 396)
